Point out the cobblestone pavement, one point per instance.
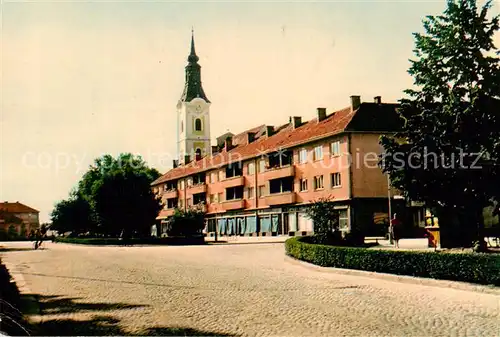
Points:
(238, 290)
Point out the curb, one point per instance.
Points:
(223, 243)
(28, 299)
(399, 278)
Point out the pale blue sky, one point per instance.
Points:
(88, 78)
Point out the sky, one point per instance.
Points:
(87, 78)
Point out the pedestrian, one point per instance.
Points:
(396, 230)
(38, 238)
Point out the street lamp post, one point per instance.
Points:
(391, 239)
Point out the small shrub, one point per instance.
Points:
(466, 267)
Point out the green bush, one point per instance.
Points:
(134, 241)
(186, 223)
(466, 267)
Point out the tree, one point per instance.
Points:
(448, 153)
(72, 215)
(120, 196)
(12, 232)
(186, 223)
(325, 218)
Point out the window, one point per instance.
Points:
(233, 193)
(189, 182)
(343, 219)
(234, 170)
(213, 177)
(172, 203)
(336, 182)
(303, 156)
(198, 153)
(251, 168)
(262, 165)
(281, 185)
(318, 152)
(220, 197)
(182, 185)
(318, 182)
(197, 124)
(262, 191)
(172, 185)
(221, 175)
(280, 158)
(212, 198)
(182, 126)
(197, 179)
(199, 198)
(303, 185)
(335, 148)
(250, 193)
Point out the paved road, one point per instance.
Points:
(236, 290)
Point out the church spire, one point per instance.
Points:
(193, 88)
(192, 58)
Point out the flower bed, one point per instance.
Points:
(467, 267)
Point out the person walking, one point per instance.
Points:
(396, 230)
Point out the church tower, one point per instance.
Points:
(193, 113)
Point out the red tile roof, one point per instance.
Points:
(285, 137)
(16, 207)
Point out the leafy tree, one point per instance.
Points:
(12, 232)
(452, 118)
(325, 218)
(186, 223)
(72, 215)
(119, 194)
(24, 232)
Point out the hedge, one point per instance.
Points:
(467, 267)
(134, 241)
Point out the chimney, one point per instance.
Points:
(228, 144)
(297, 121)
(187, 159)
(269, 130)
(321, 114)
(175, 163)
(250, 137)
(214, 149)
(377, 99)
(355, 102)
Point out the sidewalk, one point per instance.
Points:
(405, 244)
(246, 239)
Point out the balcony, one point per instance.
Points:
(278, 172)
(165, 213)
(170, 194)
(233, 182)
(200, 207)
(233, 204)
(280, 198)
(198, 188)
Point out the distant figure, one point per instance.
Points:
(396, 230)
(38, 238)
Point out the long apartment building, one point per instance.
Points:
(262, 180)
